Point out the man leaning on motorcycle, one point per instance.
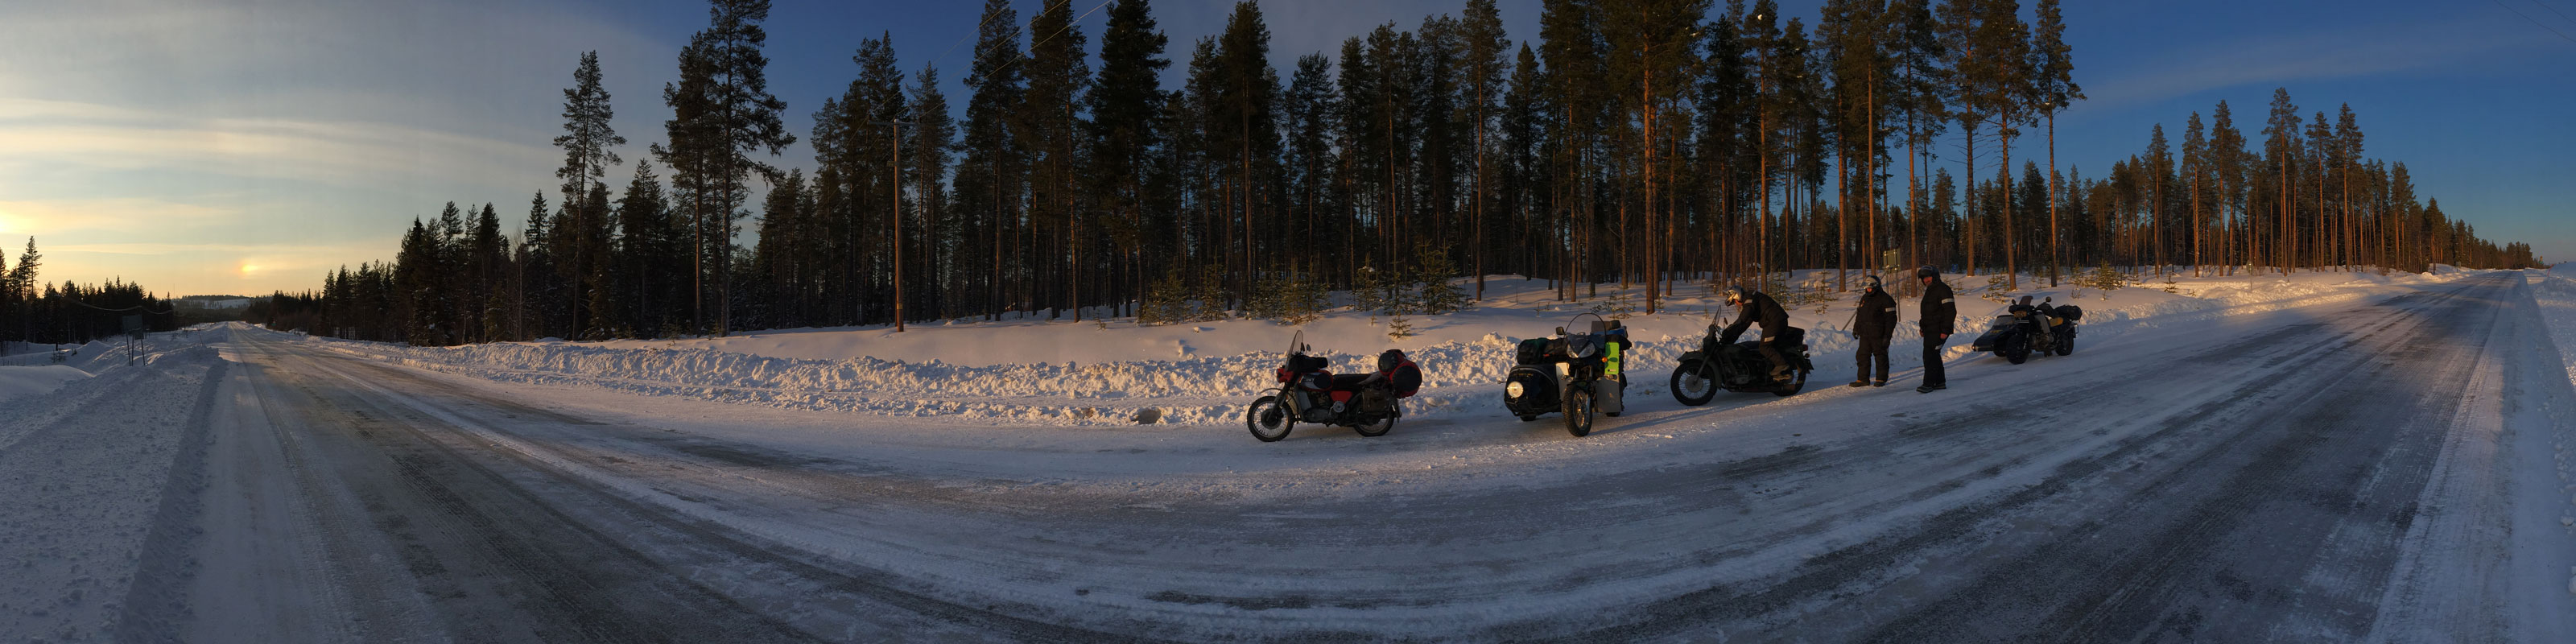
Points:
(1753, 307)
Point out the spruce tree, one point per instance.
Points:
(587, 142)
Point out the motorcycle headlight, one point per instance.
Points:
(1513, 390)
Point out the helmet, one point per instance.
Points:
(1733, 294)
(1870, 283)
(1926, 271)
(1389, 360)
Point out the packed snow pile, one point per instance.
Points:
(23, 382)
(100, 474)
(1116, 372)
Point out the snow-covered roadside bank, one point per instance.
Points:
(2543, 418)
(101, 478)
(1462, 354)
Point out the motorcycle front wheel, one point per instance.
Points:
(1694, 383)
(1268, 419)
(2016, 349)
(1578, 412)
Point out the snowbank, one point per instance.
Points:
(24, 382)
(100, 475)
(1065, 373)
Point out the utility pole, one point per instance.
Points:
(894, 130)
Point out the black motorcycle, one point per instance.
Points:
(1578, 374)
(1739, 367)
(2025, 328)
(1308, 392)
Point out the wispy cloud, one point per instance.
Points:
(2281, 60)
(61, 134)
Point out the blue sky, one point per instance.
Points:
(243, 146)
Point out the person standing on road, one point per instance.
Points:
(1874, 325)
(1940, 312)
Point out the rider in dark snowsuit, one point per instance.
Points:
(1940, 313)
(1874, 325)
(1753, 307)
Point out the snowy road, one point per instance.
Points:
(2331, 473)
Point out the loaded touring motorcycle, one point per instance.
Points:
(1578, 374)
(1739, 367)
(1367, 403)
(2025, 328)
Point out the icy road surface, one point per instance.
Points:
(2365, 471)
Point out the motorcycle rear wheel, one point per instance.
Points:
(1694, 383)
(2066, 345)
(1793, 387)
(1379, 428)
(1268, 420)
(1578, 412)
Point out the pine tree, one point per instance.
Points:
(1050, 121)
(2281, 141)
(2195, 164)
(2055, 66)
(1307, 111)
(933, 135)
(722, 114)
(1481, 29)
(2227, 161)
(1125, 103)
(2348, 148)
(990, 178)
(1247, 122)
(1653, 66)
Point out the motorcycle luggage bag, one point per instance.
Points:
(1303, 364)
(1532, 351)
(2071, 312)
(1406, 380)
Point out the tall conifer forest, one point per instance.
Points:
(1662, 146)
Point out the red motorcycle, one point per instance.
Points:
(1309, 392)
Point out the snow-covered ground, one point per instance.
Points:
(2326, 456)
(1092, 373)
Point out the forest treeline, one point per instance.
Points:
(1665, 143)
(38, 312)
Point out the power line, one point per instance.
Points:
(2527, 18)
(2561, 14)
(979, 29)
(138, 308)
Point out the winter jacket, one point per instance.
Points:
(1940, 310)
(1876, 320)
(1758, 308)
